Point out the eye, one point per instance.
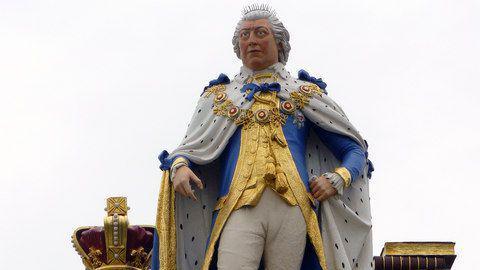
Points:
(262, 32)
(244, 34)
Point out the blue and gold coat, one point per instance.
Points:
(309, 133)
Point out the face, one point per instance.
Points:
(258, 49)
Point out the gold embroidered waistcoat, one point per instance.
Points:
(264, 156)
(267, 157)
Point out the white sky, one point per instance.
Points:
(92, 91)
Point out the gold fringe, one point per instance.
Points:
(166, 225)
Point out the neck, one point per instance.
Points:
(276, 68)
(260, 68)
(269, 68)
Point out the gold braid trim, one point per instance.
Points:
(345, 174)
(222, 108)
(302, 96)
(166, 225)
(180, 160)
(245, 118)
(299, 99)
(214, 90)
(277, 118)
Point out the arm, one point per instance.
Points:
(177, 163)
(352, 159)
(346, 150)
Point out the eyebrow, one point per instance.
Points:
(258, 27)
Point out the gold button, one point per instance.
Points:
(253, 150)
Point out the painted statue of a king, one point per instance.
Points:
(271, 174)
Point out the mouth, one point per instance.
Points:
(254, 51)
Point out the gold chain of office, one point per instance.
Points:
(223, 106)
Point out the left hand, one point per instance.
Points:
(322, 189)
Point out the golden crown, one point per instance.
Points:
(116, 245)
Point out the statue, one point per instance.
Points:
(270, 174)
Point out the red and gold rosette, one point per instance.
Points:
(220, 97)
(233, 112)
(262, 115)
(287, 107)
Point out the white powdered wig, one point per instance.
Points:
(263, 11)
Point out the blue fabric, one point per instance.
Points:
(264, 87)
(304, 76)
(370, 167)
(345, 149)
(155, 254)
(166, 163)
(310, 258)
(228, 160)
(369, 163)
(296, 140)
(222, 79)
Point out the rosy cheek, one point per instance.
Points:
(264, 44)
(243, 48)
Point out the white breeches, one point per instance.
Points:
(272, 229)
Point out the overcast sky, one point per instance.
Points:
(92, 91)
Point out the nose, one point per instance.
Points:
(252, 39)
(252, 44)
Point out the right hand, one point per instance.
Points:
(322, 189)
(181, 182)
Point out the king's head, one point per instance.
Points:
(260, 39)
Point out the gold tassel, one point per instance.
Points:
(281, 183)
(270, 174)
